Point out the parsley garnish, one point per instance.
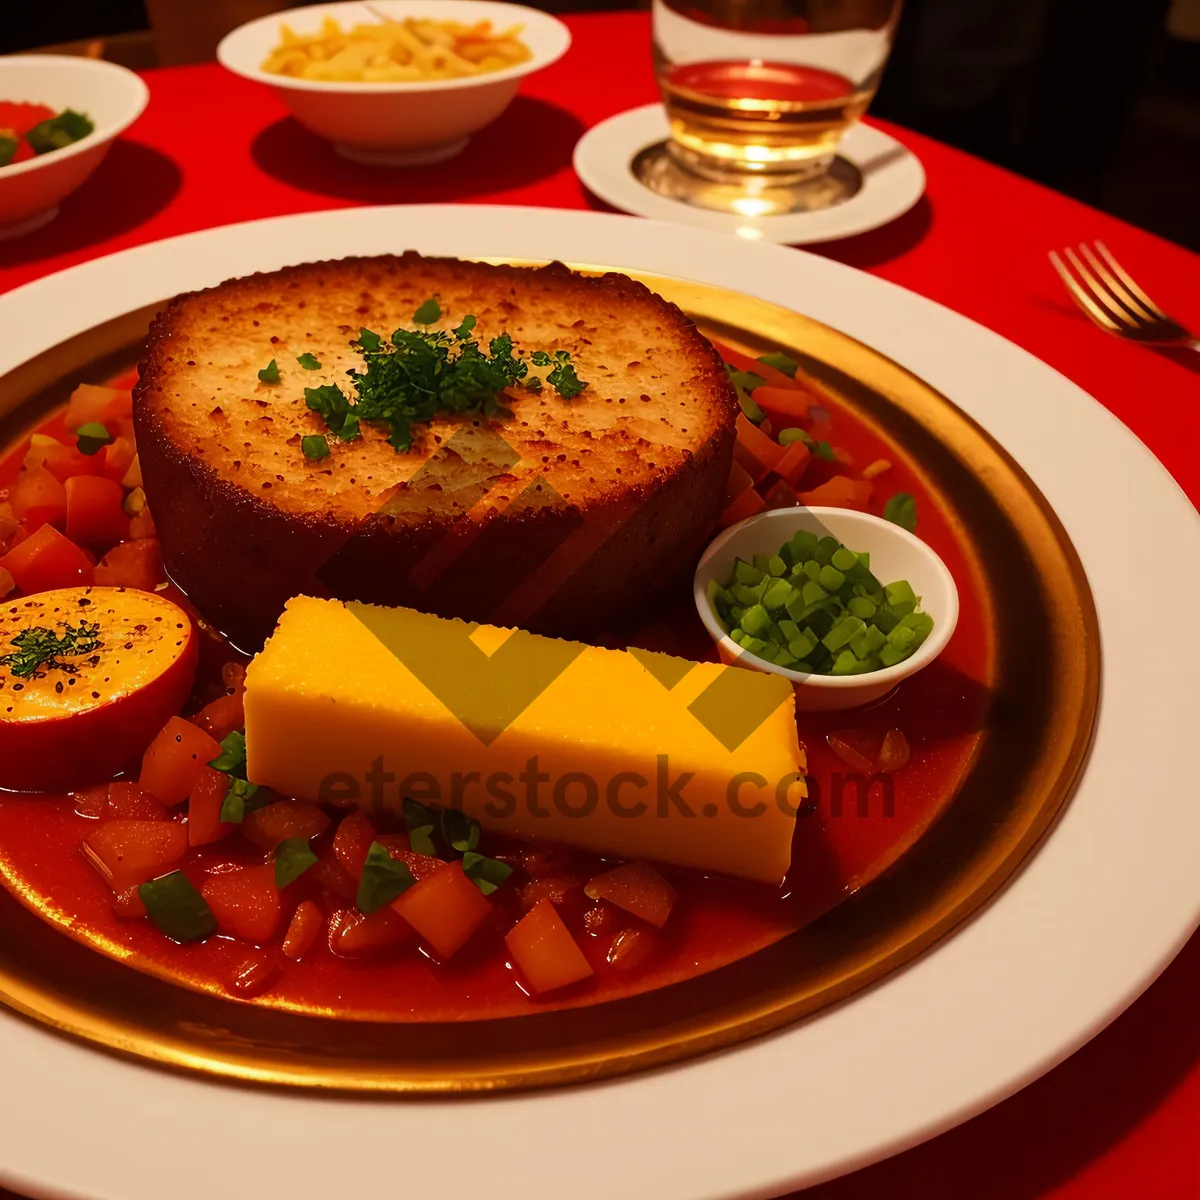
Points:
(270, 373)
(315, 447)
(429, 312)
(92, 438)
(368, 340)
(468, 323)
(330, 403)
(38, 650)
(310, 362)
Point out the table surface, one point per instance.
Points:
(1120, 1117)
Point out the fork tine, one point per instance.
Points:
(1096, 290)
(1125, 278)
(1091, 309)
(1122, 294)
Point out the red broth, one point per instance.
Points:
(839, 843)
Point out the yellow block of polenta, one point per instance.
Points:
(624, 752)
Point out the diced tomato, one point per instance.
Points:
(303, 930)
(116, 458)
(787, 408)
(94, 513)
(39, 498)
(174, 760)
(61, 460)
(205, 799)
(743, 362)
(420, 866)
(839, 492)
(91, 802)
(353, 841)
(794, 463)
(603, 919)
(134, 564)
(45, 561)
(444, 909)
(127, 853)
(245, 902)
(351, 935)
(329, 874)
(638, 888)
(745, 505)
(275, 823)
(222, 716)
(131, 802)
(101, 405)
(631, 948)
(544, 950)
(780, 495)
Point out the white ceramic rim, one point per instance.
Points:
(1076, 936)
(139, 97)
(928, 650)
(229, 51)
(890, 187)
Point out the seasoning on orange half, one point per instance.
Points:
(88, 676)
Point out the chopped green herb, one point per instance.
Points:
(9, 141)
(174, 905)
(823, 450)
(428, 313)
(368, 340)
(330, 403)
(459, 830)
(901, 510)
(39, 649)
(487, 874)
(383, 879)
(745, 381)
(58, 132)
(781, 362)
(269, 373)
(293, 856)
(232, 759)
(314, 446)
(92, 438)
(310, 362)
(240, 800)
(420, 823)
(468, 323)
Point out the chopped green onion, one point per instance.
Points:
(781, 362)
(8, 146)
(744, 381)
(174, 905)
(791, 434)
(239, 800)
(58, 132)
(293, 856)
(315, 447)
(901, 510)
(270, 373)
(232, 758)
(309, 362)
(92, 438)
(383, 878)
(487, 874)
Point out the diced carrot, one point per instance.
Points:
(275, 823)
(631, 948)
(127, 853)
(133, 564)
(205, 799)
(743, 362)
(116, 458)
(222, 716)
(101, 405)
(780, 495)
(39, 498)
(352, 842)
(445, 909)
(746, 505)
(739, 480)
(555, 888)
(129, 904)
(174, 760)
(638, 888)
(787, 407)
(352, 935)
(544, 950)
(94, 513)
(131, 802)
(761, 447)
(794, 463)
(245, 902)
(47, 560)
(839, 492)
(303, 929)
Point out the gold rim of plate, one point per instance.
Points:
(1045, 672)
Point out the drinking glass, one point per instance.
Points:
(764, 90)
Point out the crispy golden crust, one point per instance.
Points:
(631, 471)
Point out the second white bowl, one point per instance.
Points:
(396, 124)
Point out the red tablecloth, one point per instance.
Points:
(1122, 1116)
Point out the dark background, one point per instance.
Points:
(1097, 100)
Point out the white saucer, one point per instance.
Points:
(893, 180)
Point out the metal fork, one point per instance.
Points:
(1111, 299)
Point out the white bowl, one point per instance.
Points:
(112, 97)
(895, 554)
(397, 124)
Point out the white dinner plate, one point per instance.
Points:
(893, 180)
(1086, 925)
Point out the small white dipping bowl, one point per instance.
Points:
(112, 97)
(396, 124)
(895, 554)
